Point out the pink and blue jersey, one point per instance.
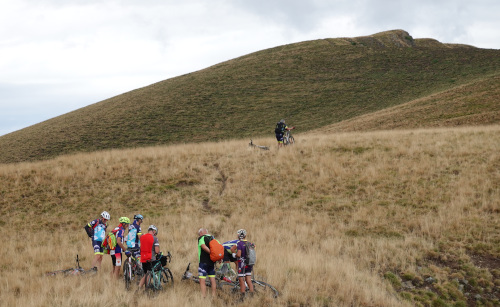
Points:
(132, 238)
(99, 229)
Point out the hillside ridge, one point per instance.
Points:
(471, 104)
(312, 84)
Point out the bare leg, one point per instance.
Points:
(249, 282)
(242, 284)
(97, 262)
(203, 287)
(214, 286)
(143, 281)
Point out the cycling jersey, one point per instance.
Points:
(99, 228)
(148, 243)
(203, 256)
(242, 247)
(119, 234)
(243, 269)
(227, 245)
(134, 230)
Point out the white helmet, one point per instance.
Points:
(105, 215)
(242, 233)
(153, 227)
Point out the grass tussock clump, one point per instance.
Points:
(396, 218)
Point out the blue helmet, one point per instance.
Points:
(138, 217)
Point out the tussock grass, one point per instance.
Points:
(338, 219)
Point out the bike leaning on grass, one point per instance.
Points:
(78, 270)
(227, 280)
(132, 268)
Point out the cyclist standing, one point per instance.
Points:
(244, 270)
(96, 230)
(206, 267)
(116, 254)
(134, 234)
(150, 247)
(279, 131)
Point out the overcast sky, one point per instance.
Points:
(57, 56)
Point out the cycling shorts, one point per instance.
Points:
(243, 269)
(146, 266)
(97, 245)
(117, 259)
(206, 270)
(279, 137)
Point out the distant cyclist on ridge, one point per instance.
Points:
(280, 129)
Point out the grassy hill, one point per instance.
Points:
(390, 218)
(475, 103)
(312, 84)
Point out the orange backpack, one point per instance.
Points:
(216, 250)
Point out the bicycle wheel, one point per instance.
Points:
(167, 276)
(153, 285)
(291, 140)
(138, 269)
(231, 287)
(150, 289)
(157, 280)
(127, 274)
(264, 288)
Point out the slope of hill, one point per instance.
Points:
(476, 103)
(312, 84)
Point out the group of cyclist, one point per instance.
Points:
(147, 248)
(234, 251)
(144, 247)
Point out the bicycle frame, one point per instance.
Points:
(159, 274)
(288, 139)
(233, 285)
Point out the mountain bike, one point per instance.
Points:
(251, 144)
(132, 268)
(226, 273)
(159, 274)
(73, 271)
(288, 139)
(232, 285)
(223, 273)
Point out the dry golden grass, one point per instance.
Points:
(330, 216)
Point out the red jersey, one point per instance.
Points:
(147, 241)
